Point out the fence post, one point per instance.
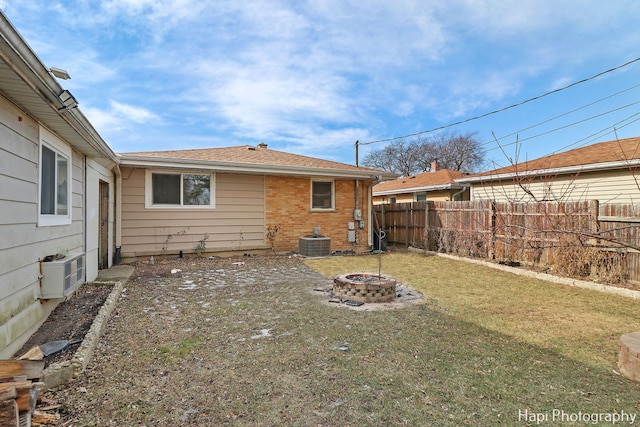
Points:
(594, 229)
(383, 218)
(594, 213)
(406, 224)
(425, 232)
(492, 230)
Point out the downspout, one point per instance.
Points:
(84, 211)
(117, 212)
(453, 198)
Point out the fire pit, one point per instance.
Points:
(364, 287)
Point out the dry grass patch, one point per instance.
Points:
(581, 324)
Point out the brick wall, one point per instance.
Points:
(288, 202)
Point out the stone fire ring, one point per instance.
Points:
(364, 287)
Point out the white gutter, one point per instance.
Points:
(250, 168)
(594, 167)
(417, 189)
(25, 63)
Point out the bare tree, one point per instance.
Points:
(399, 157)
(460, 152)
(463, 152)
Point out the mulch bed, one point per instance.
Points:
(70, 320)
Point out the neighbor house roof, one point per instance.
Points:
(616, 154)
(429, 181)
(251, 159)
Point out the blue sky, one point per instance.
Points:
(312, 77)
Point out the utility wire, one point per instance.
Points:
(570, 124)
(505, 108)
(561, 115)
(589, 138)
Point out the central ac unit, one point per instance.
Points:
(61, 277)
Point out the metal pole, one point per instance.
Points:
(381, 236)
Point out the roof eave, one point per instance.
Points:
(249, 168)
(419, 189)
(39, 96)
(594, 167)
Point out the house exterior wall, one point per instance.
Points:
(435, 196)
(237, 222)
(288, 203)
(24, 242)
(619, 186)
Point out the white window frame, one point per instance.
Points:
(148, 190)
(55, 144)
(333, 196)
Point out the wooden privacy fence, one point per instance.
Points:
(576, 238)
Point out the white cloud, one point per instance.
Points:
(132, 113)
(119, 117)
(313, 74)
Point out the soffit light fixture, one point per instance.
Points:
(60, 73)
(68, 101)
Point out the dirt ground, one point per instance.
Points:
(70, 320)
(73, 318)
(166, 314)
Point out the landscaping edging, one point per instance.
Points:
(60, 373)
(629, 293)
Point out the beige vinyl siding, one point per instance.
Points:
(436, 196)
(236, 222)
(619, 186)
(23, 242)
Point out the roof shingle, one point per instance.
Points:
(427, 179)
(250, 155)
(603, 152)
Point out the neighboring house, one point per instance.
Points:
(243, 198)
(436, 185)
(56, 192)
(606, 171)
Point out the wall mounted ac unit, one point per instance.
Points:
(61, 277)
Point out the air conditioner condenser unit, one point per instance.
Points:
(62, 276)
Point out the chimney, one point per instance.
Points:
(262, 146)
(434, 165)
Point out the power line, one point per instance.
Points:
(587, 139)
(567, 125)
(505, 108)
(561, 115)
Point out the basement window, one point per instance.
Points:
(178, 190)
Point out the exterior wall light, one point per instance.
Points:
(68, 101)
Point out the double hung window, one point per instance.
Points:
(179, 190)
(54, 181)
